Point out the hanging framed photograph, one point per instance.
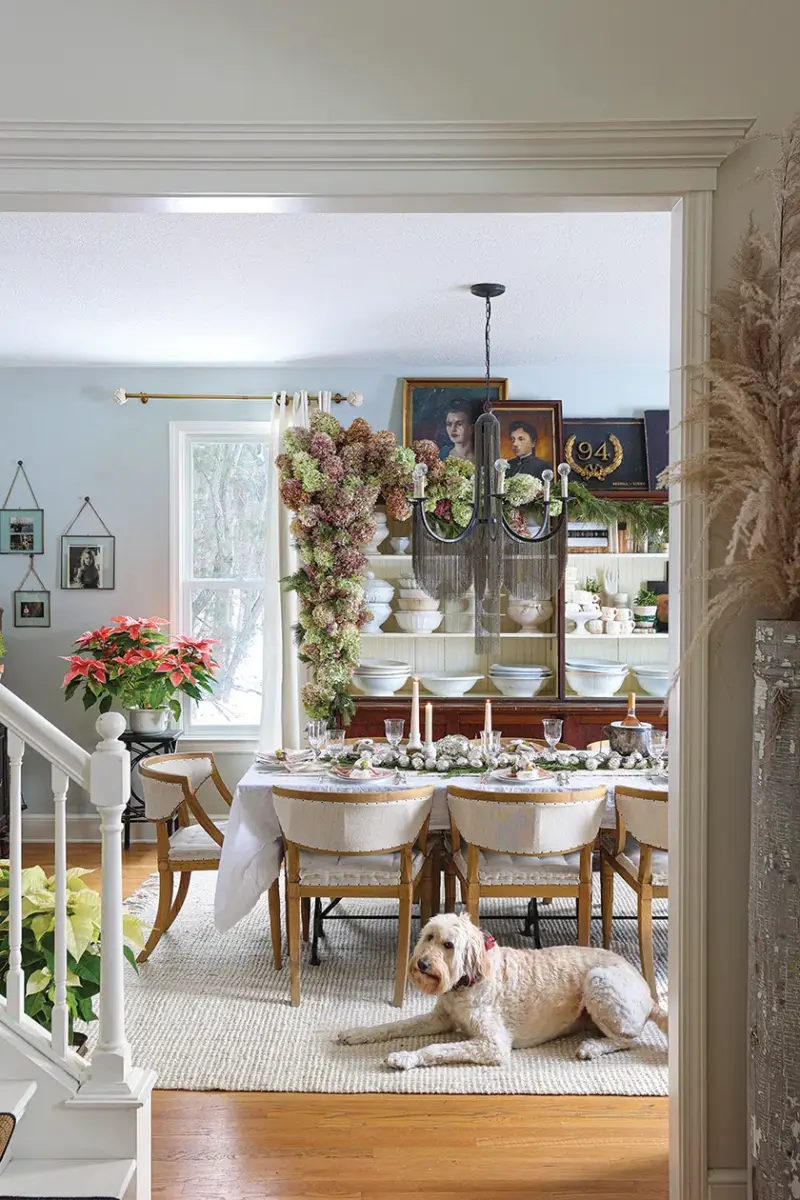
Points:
(530, 435)
(32, 609)
(606, 454)
(21, 531)
(87, 561)
(445, 411)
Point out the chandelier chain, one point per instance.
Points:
(487, 404)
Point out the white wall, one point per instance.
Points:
(265, 60)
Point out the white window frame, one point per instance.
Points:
(182, 436)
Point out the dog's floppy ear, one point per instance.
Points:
(476, 960)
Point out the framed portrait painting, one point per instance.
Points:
(530, 435)
(445, 411)
(87, 561)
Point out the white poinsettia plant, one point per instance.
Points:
(38, 942)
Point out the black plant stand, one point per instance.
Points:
(144, 745)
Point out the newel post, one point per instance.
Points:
(109, 792)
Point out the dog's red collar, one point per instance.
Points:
(469, 980)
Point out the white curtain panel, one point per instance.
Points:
(281, 713)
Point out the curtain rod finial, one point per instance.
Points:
(120, 396)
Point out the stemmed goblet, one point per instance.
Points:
(394, 736)
(552, 731)
(316, 732)
(658, 748)
(334, 744)
(490, 748)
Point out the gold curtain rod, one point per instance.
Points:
(121, 397)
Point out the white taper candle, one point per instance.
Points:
(414, 740)
(487, 717)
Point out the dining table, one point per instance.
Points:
(252, 850)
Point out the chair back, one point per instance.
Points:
(352, 822)
(606, 745)
(645, 813)
(170, 779)
(528, 822)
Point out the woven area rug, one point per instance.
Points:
(209, 1011)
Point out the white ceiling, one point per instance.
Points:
(366, 290)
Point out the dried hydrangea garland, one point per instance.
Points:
(331, 478)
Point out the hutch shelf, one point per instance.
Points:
(450, 648)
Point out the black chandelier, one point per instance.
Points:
(488, 553)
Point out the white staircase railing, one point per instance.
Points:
(105, 775)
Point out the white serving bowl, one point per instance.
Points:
(380, 685)
(380, 613)
(529, 613)
(591, 677)
(408, 581)
(417, 604)
(399, 544)
(413, 594)
(520, 687)
(419, 622)
(383, 666)
(445, 684)
(653, 680)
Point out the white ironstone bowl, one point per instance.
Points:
(419, 622)
(444, 684)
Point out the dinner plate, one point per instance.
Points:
(376, 773)
(504, 774)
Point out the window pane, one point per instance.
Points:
(234, 616)
(229, 495)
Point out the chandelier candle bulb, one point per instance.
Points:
(500, 468)
(563, 471)
(547, 479)
(414, 740)
(487, 717)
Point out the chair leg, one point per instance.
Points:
(606, 898)
(183, 888)
(293, 911)
(436, 881)
(162, 916)
(645, 912)
(449, 886)
(473, 904)
(275, 923)
(425, 888)
(305, 908)
(585, 914)
(403, 946)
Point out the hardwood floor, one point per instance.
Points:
(225, 1145)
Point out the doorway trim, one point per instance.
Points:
(458, 167)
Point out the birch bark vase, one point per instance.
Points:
(774, 935)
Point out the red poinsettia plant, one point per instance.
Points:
(135, 662)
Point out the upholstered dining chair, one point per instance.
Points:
(170, 783)
(525, 844)
(604, 745)
(355, 843)
(638, 852)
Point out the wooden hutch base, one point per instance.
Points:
(583, 719)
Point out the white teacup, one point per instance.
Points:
(613, 627)
(594, 626)
(626, 627)
(621, 599)
(608, 614)
(623, 614)
(583, 597)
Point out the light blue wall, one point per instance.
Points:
(75, 442)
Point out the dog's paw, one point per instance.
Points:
(403, 1060)
(591, 1048)
(353, 1037)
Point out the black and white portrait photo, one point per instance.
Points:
(87, 561)
(84, 566)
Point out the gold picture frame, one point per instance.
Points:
(426, 401)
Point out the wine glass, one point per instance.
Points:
(316, 732)
(394, 736)
(552, 731)
(658, 748)
(334, 743)
(490, 747)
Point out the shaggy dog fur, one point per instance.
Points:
(506, 999)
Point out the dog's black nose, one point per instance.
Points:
(423, 964)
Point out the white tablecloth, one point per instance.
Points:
(252, 852)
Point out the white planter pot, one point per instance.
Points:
(149, 720)
(381, 533)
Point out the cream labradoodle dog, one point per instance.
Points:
(506, 999)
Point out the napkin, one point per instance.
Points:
(284, 758)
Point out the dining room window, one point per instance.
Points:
(219, 494)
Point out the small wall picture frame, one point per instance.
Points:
(32, 609)
(22, 531)
(87, 561)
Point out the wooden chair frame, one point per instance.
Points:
(472, 890)
(408, 888)
(190, 806)
(642, 884)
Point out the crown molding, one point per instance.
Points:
(285, 158)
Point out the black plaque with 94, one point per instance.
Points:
(606, 454)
